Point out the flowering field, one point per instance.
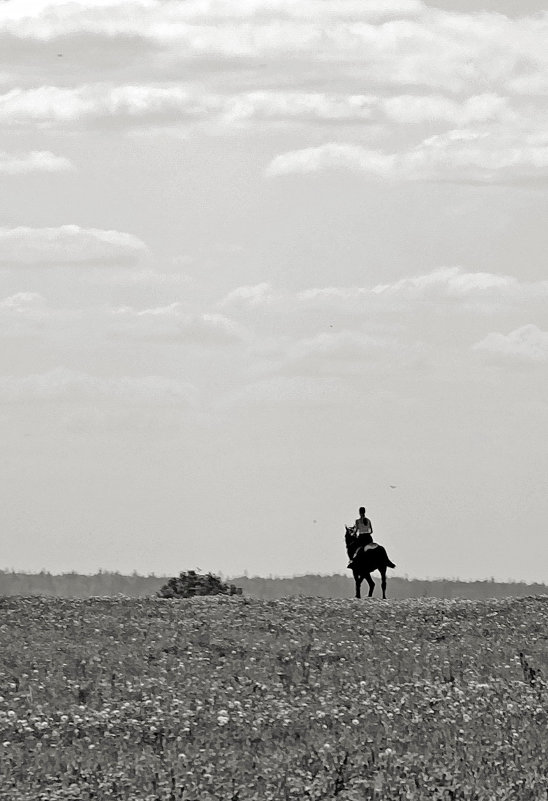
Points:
(231, 699)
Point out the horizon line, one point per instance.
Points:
(270, 577)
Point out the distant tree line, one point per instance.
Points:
(76, 585)
(339, 586)
(104, 583)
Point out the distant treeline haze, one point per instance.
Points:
(75, 585)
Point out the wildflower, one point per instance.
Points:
(222, 717)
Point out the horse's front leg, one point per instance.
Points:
(370, 582)
(358, 581)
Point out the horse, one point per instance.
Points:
(372, 558)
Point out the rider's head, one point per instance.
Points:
(362, 510)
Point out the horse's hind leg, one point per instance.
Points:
(371, 584)
(382, 571)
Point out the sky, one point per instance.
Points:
(262, 263)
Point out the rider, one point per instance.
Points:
(364, 530)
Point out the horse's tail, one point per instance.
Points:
(388, 561)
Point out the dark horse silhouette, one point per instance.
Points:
(368, 561)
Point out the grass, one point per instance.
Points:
(232, 699)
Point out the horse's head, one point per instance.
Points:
(350, 540)
(349, 534)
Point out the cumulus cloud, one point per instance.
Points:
(62, 384)
(169, 21)
(337, 353)
(54, 104)
(528, 344)
(27, 314)
(296, 390)
(173, 323)
(384, 307)
(298, 107)
(176, 103)
(412, 108)
(22, 302)
(68, 244)
(256, 63)
(35, 161)
(451, 282)
(250, 295)
(397, 42)
(459, 156)
(480, 291)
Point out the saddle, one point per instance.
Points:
(371, 546)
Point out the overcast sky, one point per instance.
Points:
(265, 261)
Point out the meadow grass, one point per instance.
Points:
(236, 699)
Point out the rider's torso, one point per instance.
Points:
(363, 526)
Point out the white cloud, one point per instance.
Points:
(22, 302)
(68, 244)
(449, 282)
(35, 161)
(68, 385)
(171, 20)
(27, 314)
(384, 307)
(250, 295)
(300, 391)
(337, 353)
(298, 107)
(176, 103)
(528, 343)
(459, 156)
(398, 42)
(411, 108)
(50, 104)
(332, 155)
(172, 323)
(481, 291)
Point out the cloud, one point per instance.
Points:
(386, 308)
(22, 302)
(294, 106)
(394, 43)
(176, 103)
(27, 314)
(479, 291)
(167, 21)
(300, 391)
(72, 386)
(250, 296)
(68, 244)
(412, 108)
(340, 353)
(35, 161)
(459, 156)
(528, 344)
(333, 155)
(172, 323)
(93, 102)
(450, 282)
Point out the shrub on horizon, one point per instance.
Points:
(190, 584)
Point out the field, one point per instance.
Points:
(234, 699)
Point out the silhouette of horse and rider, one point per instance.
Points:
(365, 555)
